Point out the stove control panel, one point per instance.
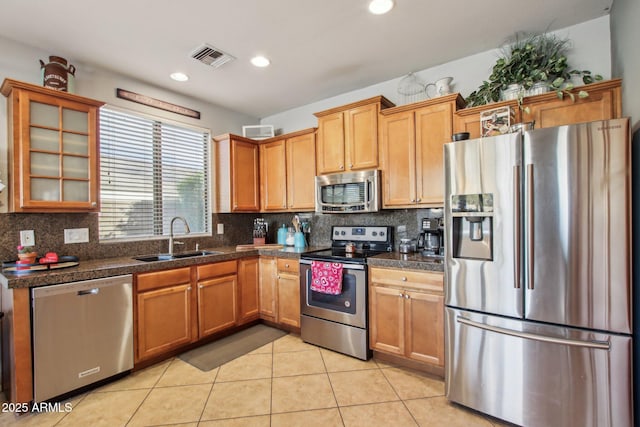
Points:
(368, 233)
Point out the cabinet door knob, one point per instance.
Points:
(404, 279)
(199, 287)
(286, 266)
(413, 200)
(189, 288)
(419, 200)
(350, 165)
(341, 167)
(406, 296)
(94, 204)
(400, 295)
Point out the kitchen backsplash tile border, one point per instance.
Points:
(49, 231)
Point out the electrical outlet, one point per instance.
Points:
(27, 238)
(402, 229)
(76, 235)
(220, 228)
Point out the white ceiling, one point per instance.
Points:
(318, 48)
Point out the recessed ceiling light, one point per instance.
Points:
(179, 77)
(260, 61)
(380, 7)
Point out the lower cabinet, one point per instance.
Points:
(267, 288)
(248, 281)
(217, 289)
(406, 314)
(288, 292)
(180, 306)
(163, 312)
(280, 291)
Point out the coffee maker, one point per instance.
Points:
(430, 240)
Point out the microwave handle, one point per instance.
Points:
(367, 194)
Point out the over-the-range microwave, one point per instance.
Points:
(348, 192)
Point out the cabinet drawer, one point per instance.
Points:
(161, 279)
(216, 269)
(286, 265)
(419, 280)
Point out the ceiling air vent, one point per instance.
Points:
(210, 55)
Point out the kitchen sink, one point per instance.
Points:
(167, 257)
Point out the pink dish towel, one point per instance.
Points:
(326, 277)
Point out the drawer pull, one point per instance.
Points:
(404, 279)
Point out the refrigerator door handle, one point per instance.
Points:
(518, 238)
(600, 345)
(529, 224)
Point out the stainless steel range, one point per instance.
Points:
(337, 318)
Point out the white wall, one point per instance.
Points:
(625, 34)
(20, 62)
(591, 51)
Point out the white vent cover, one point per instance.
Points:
(258, 131)
(210, 55)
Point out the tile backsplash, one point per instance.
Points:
(49, 231)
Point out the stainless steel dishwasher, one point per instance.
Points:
(82, 333)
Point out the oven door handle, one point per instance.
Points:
(345, 266)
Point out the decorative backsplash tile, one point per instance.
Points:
(49, 231)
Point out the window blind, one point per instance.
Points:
(150, 172)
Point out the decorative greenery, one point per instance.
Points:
(25, 249)
(528, 60)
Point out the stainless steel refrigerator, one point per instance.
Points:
(538, 275)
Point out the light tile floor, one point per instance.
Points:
(286, 383)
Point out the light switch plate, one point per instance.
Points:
(27, 238)
(220, 228)
(76, 235)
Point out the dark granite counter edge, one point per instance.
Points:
(96, 269)
(408, 261)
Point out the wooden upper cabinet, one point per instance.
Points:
(287, 172)
(330, 147)
(237, 174)
(53, 154)
(411, 151)
(398, 159)
(273, 176)
(301, 171)
(348, 136)
(604, 102)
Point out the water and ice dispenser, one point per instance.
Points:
(472, 226)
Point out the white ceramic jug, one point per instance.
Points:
(440, 87)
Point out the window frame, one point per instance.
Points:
(208, 181)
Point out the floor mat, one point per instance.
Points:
(219, 352)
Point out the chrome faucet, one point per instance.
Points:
(186, 228)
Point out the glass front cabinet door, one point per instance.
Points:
(53, 157)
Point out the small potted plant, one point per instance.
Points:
(27, 254)
(530, 65)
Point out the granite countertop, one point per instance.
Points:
(99, 268)
(414, 261)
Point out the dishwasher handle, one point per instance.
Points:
(92, 291)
